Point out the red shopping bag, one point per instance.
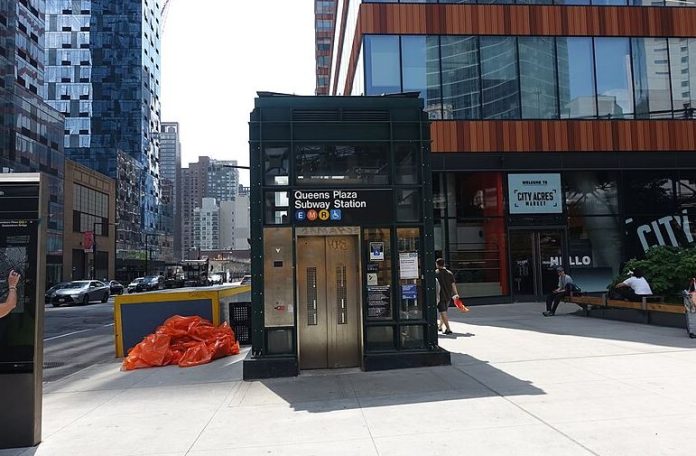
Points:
(460, 305)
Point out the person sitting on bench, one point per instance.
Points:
(565, 283)
(635, 288)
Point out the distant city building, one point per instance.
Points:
(207, 178)
(171, 177)
(242, 219)
(206, 225)
(92, 197)
(324, 22)
(227, 216)
(103, 74)
(30, 130)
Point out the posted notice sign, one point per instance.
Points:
(535, 193)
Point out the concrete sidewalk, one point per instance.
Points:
(520, 384)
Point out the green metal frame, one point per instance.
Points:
(275, 121)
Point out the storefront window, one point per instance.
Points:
(538, 77)
(344, 164)
(648, 193)
(614, 88)
(478, 257)
(382, 64)
(682, 61)
(594, 251)
(651, 78)
(276, 161)
(499, 78)
(591, 193)
(410, 271)
(461, 90)
(377, 245)
(421, 70)
(686, 192)
(576, 77)
(477, 194)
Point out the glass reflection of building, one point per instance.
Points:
(103, 74)
(30, 130)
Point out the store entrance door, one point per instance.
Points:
(329, 294)
(534, 257)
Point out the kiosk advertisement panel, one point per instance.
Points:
(21, 331)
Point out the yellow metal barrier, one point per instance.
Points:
(138, 314)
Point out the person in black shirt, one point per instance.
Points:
(448, 291)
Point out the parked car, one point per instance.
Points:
(150, 283)
(51, 291)
(133, 286)
(115, 287)
(80, 292)
(246, 280)
(216, 279)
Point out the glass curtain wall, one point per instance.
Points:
(471, 77)
(672, 3)
(470, 231)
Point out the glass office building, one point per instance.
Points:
(103, 74)
(30, 130)
(562, 136)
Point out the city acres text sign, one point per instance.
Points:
(342, 207)
(535, 193)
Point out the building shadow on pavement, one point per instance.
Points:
(327, 390)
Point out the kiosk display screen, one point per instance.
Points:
(18, 241)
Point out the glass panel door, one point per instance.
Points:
(534, 256)
(550, 248)
(522, 263)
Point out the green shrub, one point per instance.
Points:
(667, 269)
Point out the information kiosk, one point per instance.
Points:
(23, 209)
(342, 244)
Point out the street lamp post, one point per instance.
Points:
(147, 251)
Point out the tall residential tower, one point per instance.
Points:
(103, 74)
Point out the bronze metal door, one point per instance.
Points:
(328, 297)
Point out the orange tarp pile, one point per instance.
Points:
(186, 341)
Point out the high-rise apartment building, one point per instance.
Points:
(324, 21)
(562, 132)
(206, 225)
(207, 178)
(170, 178)
(103, 74)
(30, 130)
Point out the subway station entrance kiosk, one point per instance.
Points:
(342, 235)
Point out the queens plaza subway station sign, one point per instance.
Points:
(342, 207)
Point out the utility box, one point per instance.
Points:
(23, 221)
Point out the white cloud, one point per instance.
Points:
(216, 54)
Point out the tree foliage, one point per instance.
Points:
(667, 269)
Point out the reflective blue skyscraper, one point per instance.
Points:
(103, 74)
(30, 130)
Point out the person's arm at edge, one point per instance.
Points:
(11, 302)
